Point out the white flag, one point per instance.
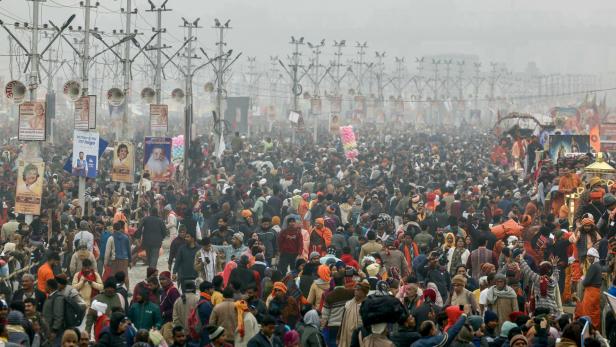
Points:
(293, 117)
(221, 147)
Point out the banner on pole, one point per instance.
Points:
(32, 122)
(159, 118)
(157, 158)
(29, 187)
(85, 154)
(123, 168)
(82, 113)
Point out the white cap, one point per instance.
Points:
(592, 252)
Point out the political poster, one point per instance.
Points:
(159, 118)
(29, 190)
(562, 145)
(123, 167)
(157, 158)
(83, 110)
(32, 122)
(85, 154)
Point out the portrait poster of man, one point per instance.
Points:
(85, 154)
(157, 158)
(123, 168)
(29, 187)
(159, 118)
(32, 122)
(561, 145)
(82, 113)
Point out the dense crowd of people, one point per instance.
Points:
(423, 240)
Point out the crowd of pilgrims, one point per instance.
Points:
(424, 240)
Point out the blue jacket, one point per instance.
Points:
(122, 246)
(204, 310)
(104, 237)
(442, 340)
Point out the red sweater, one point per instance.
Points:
(290, 241)
(348, 260)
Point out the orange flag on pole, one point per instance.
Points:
(595, 139)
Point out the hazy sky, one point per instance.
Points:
(559, 35)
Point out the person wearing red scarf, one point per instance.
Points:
(87, 281)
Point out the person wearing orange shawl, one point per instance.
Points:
(247, 325)
(409, 248)
(591, 303)
(119, 216)
(282, 306)
(499, 155)
(583, 239)
(320, 237)
(567, 184)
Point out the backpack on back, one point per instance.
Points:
(73, 313)
(194, 323)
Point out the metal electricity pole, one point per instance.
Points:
(338, 77)
(188, 99)
(360, 63)
(380, 75)
(316, 79)
(293, 73)
(158, 67)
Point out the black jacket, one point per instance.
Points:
(260, 340)
(405, 337)
(109, 339)
(184, 262)
(152, 231)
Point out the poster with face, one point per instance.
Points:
(85, 154)
(123, 168)
(159, 118)
(562, 145)
(157, 158)
(82, 113)
(29, 187)
(32, 121)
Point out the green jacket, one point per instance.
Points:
(145, 315)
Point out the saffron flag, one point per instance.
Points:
(595, 140)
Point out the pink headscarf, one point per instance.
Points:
(226, 273)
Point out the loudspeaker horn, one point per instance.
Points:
(15, 91)
(177, 94)
(147, 95)
(115, 96)
(72, 90)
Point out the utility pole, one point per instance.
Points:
(435, 63)
(188, 107)
(253, 85)
(126, 69)
(360, 63)
(338, 65)
(476, 83)
(159, 47)
(221, 93)
(380, 72)
(316, 82)
(294, 66)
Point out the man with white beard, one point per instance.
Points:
(158, 164)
